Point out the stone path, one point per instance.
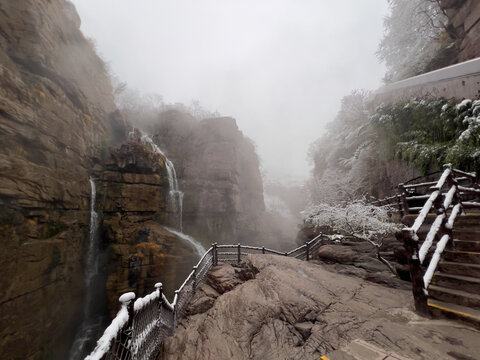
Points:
(279, 308)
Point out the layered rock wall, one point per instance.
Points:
(56, 114)
(218, 170)
(133, 202)
(464, 17)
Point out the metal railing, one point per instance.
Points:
(141, 325)
(448, 200)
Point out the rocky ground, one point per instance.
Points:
(281, 308)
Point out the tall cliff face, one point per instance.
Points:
(133, 192)
(56, 113)
(218, 170)
(57, 123)
(464, 17)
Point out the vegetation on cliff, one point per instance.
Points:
(420, 135)
(429, 133)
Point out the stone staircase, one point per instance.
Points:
(454, 291)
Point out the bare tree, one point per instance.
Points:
(415, 32)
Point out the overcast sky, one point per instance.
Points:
(279, 67)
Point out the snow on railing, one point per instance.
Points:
(427, 244)
(413, 194)
(435, 259)
(442, 227)
(138, 330)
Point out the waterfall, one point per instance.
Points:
(175, 198)
(199, 249)
(93, 319)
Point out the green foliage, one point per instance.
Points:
(429, 133)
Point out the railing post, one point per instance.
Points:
(286, 253)
(307, 250)
(159, 287)
(420, 294)
(214, 254)
(127, 301)
(399, 204)
(194, 285)
(263, 250)
(175, 309)
(403, 197)
(239, 252)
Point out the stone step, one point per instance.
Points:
(454, 268)
(465, 245)
(454, 296)
(469, 234)
(468, 257)
(459, 282)
(453, 311)
(468, 220)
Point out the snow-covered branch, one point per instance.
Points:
(356, 219)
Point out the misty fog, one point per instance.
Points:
(279, 68)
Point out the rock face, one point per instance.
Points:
(464, 17)
(299, 310)
(56, 115)
(132, 195)
(218, 170)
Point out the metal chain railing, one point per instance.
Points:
(138, 330)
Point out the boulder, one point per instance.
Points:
(300, 310)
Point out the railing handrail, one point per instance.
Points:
(131, 308)
(408, 191)
(441, 228)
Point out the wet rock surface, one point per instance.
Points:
(56, 116)
(133, 197)
(298, 310)
(219, 172)
(359, 258)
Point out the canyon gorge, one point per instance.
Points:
(98, 199)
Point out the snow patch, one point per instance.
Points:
(464, 104)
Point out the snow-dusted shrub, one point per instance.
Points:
(357, 219)
(431, 132)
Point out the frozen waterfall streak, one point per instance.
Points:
(175, 195)
(90, 322)
(199, 249)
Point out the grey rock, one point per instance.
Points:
(266, 318)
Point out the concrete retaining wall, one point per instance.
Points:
(460, 81)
